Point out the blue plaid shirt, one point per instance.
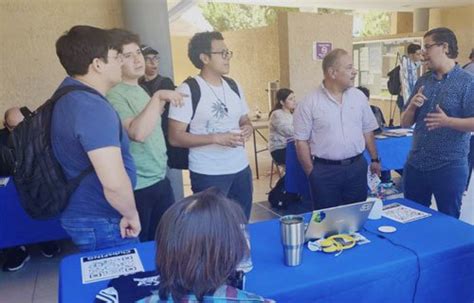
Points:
(454, 93)
(224, 294)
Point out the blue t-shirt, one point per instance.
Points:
(454, 93)
(83, 122)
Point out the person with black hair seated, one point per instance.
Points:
(196, 261)
(385, 175)
(281, 124)
(375, 109)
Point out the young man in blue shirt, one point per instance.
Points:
(86, 131)
(442, 106)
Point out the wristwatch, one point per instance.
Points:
(376, 160)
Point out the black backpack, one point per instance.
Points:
(394, 84)
(178, 156)
(42, 186)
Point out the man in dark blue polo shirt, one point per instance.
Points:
(442, 106)
(86, 131)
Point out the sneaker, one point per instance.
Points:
(50, 249)
(15, 259)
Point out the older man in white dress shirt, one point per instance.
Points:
(333, 126)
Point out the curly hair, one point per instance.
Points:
(199, 44)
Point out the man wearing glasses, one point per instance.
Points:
(442, 106)
(86, 132)
(219, 126)
(152, 82)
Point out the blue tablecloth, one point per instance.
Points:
(375, 272)
(17, 228)
(392, 151)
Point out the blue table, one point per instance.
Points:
(392, 151)
(375, 272)
(17, 228)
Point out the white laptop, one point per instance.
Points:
(344, 219)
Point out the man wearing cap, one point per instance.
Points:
(333, 126)
(152, 82)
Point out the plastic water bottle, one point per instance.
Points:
(246, 264)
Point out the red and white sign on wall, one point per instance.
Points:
(321, 49)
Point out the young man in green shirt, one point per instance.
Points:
(141, 117)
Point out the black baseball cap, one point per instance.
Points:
(148, 50)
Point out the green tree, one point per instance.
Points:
(374, 23)
(227, 17)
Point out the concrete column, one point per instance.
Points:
(421, 18)
(149, 19)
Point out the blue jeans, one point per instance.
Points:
(447, 184)
(95, 233)
(237, 187)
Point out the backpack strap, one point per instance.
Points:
(196, 90)
(233, 85)
(195, 93)
(58, 94)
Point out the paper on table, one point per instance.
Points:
(402, 213)
(4, 181)
(110, 265)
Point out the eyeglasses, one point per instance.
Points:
(426, 47)
(154, 59)
(225, 53)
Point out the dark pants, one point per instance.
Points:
(237, 187)
(447, 184)
(333, 185)
(152, 202)
(279, 156)
(470, 159)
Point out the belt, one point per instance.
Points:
(347, 161)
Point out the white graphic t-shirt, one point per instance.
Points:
(219, 110)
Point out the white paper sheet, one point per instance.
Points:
(110, 265)
(402, 213)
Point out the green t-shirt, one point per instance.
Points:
(150, 157)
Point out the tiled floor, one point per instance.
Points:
(38, 280)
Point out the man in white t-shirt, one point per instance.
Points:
(220, 124)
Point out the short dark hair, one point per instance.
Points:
(122, 37)
(281, 95)
(331, 58)
(80, 45)
(201, 43)
(445, 35)
(365, 90)
(412, 48)
(200, 242)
